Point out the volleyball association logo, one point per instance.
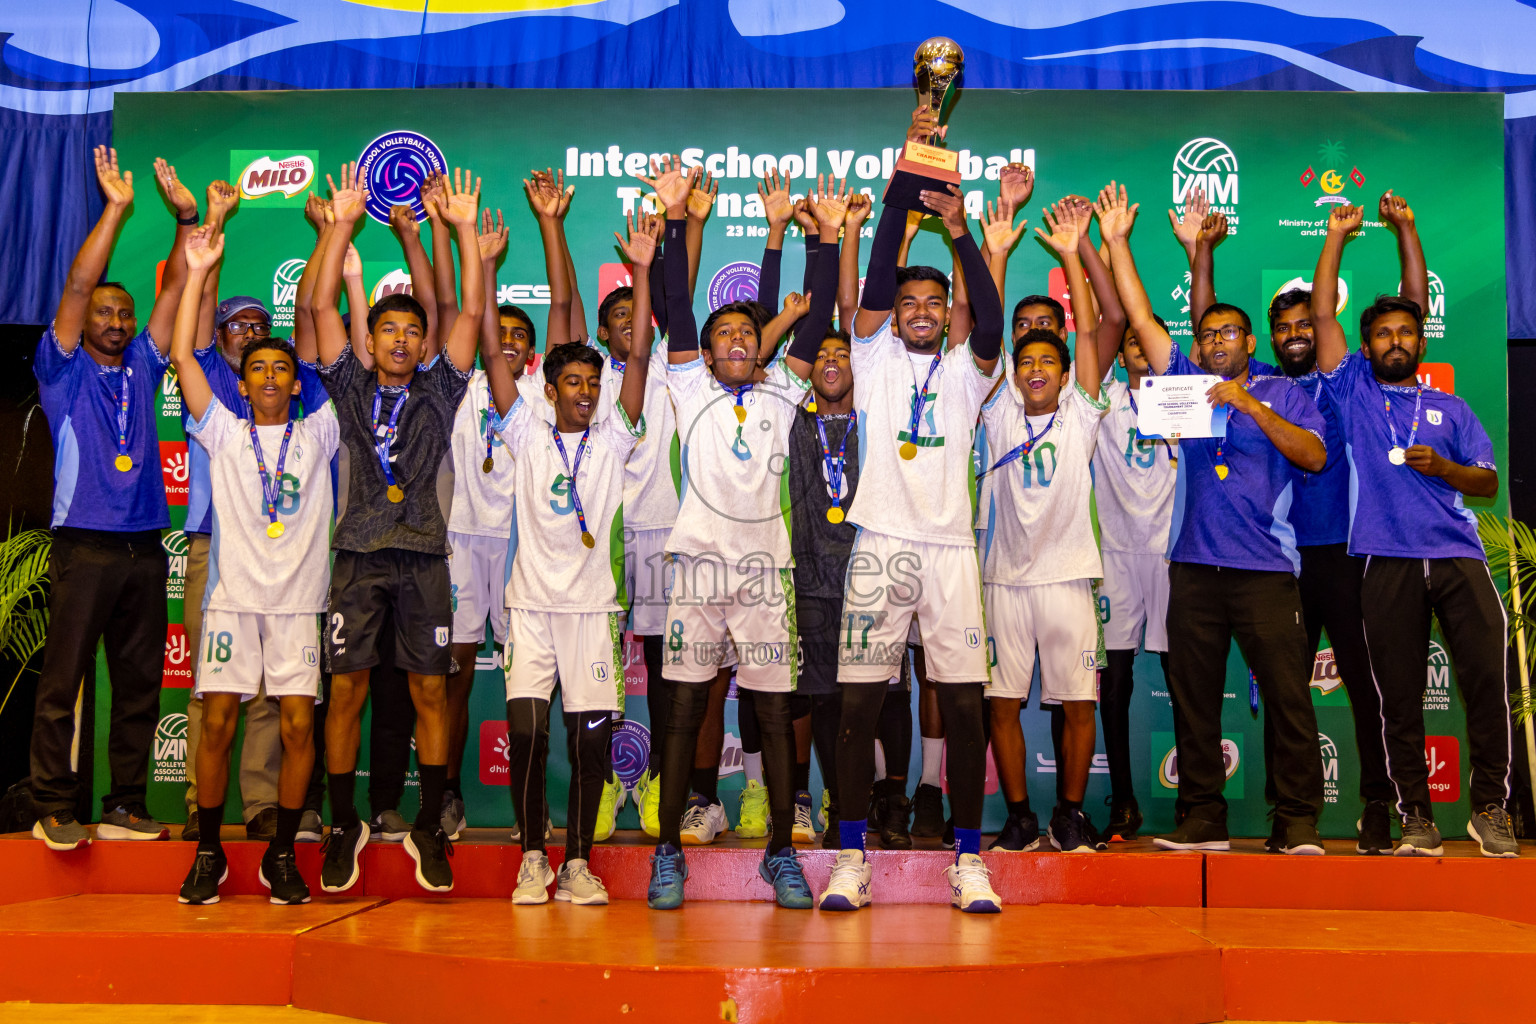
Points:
(392, 168)
(1208, 164)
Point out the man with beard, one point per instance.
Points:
(1414, 452)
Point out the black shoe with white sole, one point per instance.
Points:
(341, 850)
(1196, 834)
(209, 868)
(279, 872)
(430, 849)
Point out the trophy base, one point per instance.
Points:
(902, 191)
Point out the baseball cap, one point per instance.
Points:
(238, 304)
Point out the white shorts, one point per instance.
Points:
(477, 570)
(889, 581)
(241, 649)
(584, 650)
(1136, 589)
(713, 606)
(647, 580)
(1062, 621)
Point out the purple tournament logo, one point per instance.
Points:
(393, 166)
(631, 751)
(734, 282)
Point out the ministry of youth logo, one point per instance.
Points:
(392, 168)
(1210, 165)
(734, 282)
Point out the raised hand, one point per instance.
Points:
(1395, 210)
(177, 195)
(797, 305)
(640, 245)
(1187, 228)
(1345, 220)
(403, 219)
(860, 206)
(949, 206)
(461, 202)
(349, 199)
(997, 228)
(204, 247)
(669, 183)
(778, 208)
(701, 198)
(915, 220)
(431, 193)
(552, 182)
(1116, 215)
(493, 235)
(542, 196)
(1213, 229)
(352, 264)
(1230, 392)
(116, 186)
(804, 217)
(315, 211)
(1016, 183)
(830, 204)
(925, 124)
(1061, 218)
(223, 198)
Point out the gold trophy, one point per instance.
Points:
(922, 166)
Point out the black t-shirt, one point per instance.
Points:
(418, 457)
(821, 548)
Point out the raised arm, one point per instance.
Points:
(444, 291)
(807, 224)
(578, 318)
(1000, 235)
(860, 206)
(402, 220)
(493, 244)
(183, 204)
(831, 211)
(1116, 218)
(1067, 227)
(223, 199)
(1202, 270)
(778, 210)
(986, 339)
(1410, 251)
(640, 250)
(701, 203)
(1111, 326)
(672, 187)
(909, 232)
(545, 203)
(1327, 333)
(1187, 228)
(347, 205)
(357, 308)
(317, 212)
(461, 208)
(91, 261)
(879, 296)
(203, 250)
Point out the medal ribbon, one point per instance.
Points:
(382, 447)
(270, 485)
(122, 412)
(571, 471)
(836, 464)
(739, 392)
(920, 399)
(1413, 432)
(1023, 450)
(490, 407)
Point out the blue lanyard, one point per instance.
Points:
(739, 392)
(837, 464)
(270, 485)
(1023, 450)
(382, 447)
(1413, 432)
(920, 400)
(570, 472)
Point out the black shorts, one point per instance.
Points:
(819, 621)
(370, 588)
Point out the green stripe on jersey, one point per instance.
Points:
(616, 634)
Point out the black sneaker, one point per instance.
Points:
(1375, 828)
(894, 808)
(1072, 832)
(1196, 834)
(430, 849)
(1300, 838)
(948, 839)
(1124, 819)
(928, 811)
(209, 868)
(1420, 837)
(1019, 835)
(831, 836)
(1275, 841)
(341, 848)
(279, 872)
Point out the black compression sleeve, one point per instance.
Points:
(659, 293)
(768, 280)
(812, 249)
(986, 306)
(682, 328)
(812, 329)
(880, 278)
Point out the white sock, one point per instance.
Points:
(879, 761)
(754, 766)
(933, 758)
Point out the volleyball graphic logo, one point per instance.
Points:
(734, 282)
(631, 751)
(1207, 164)
(392, 168)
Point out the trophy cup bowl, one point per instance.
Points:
(926, 166)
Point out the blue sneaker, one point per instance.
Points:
(782, 871)
(668, 871)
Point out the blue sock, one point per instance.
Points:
(967, 840)
(850, 834)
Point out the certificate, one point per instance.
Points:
(1175, 407)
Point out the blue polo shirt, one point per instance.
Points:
(82, 400)
(224, 382)
(1242, 521)
(1396, 511)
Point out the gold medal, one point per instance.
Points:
(908, 450)
(810, 406)
(489, 464)
(834, 515)
(123, 463)
(395, 494)
(275, 530)
(1221, 471)
(741, 414)
(588, 539)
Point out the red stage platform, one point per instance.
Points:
(1127, 934)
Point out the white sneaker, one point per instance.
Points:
(703, 822)
(970, 886)
(848, 888)
(578, 885)
(805, 832)
(533, 879)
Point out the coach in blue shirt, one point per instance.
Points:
(1233, 568)
(97, 376)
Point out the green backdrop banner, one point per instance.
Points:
(1275, 162)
